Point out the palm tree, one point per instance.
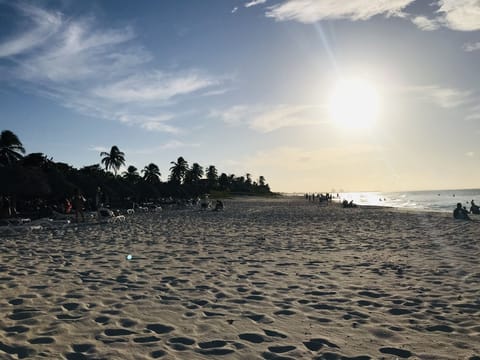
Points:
(131, 174)
(114, 159)
(178, 170)
(194, 174)
(212, 176)
(11, 149)
(151, 173)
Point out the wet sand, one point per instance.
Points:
(264, 279)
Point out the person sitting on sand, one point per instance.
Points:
(347, 204)
(474, 209)
(218, 205)
(460, 213)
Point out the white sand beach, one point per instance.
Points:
(264, 279)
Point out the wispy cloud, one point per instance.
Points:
(424, 23)
(442, 96)
(310, 11)
(264, 119)
(235, 9)
(155, 86)
(100, 72)
(470, 154)
(98, 148)
(471, 46)
(255, 3)
(44, 24)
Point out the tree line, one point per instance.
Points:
(31, 176)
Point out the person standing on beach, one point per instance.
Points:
(78, 203)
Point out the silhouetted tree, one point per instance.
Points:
(151, 174)
(11, 149)
(114, 159)
(178, 170)
(212, 176)
(131, 174)
(194, 174)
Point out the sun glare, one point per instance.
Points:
(354, 104)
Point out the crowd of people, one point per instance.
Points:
(461, 212)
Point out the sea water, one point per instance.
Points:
(431, 200)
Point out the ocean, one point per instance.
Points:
(428, 200)
(432, 200)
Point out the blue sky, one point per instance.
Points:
(245, 86)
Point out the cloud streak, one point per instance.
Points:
(255, 3)
(444, 97)
(265, 119)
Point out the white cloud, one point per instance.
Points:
(470, 154)
(254, 3)
(98, 72)
(424, 23)
(310, 11)
(471, 46)
(462, 15)
(266, 119)
(156, 86)
(442, 96)
(235, 9)
(98, 148)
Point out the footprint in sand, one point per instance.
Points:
(17, 329)
(279, 349)
(118, 332)
(274, 333)
(399, 311)
(146, 339)
(158, 354)
(285, 312)
(442, 328)
(252, 337)
(42, 340)
(82, 348)
(160, 328)
(404, 354)
(21, 351)
(318, 343)
(180, 343)
(102, 319)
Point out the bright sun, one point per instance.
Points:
(354, 104)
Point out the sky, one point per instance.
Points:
(247, 86)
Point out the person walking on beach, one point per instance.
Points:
(78, 203)
(460, 213)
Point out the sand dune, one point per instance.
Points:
(264, 279)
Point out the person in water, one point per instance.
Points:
(460, 213)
